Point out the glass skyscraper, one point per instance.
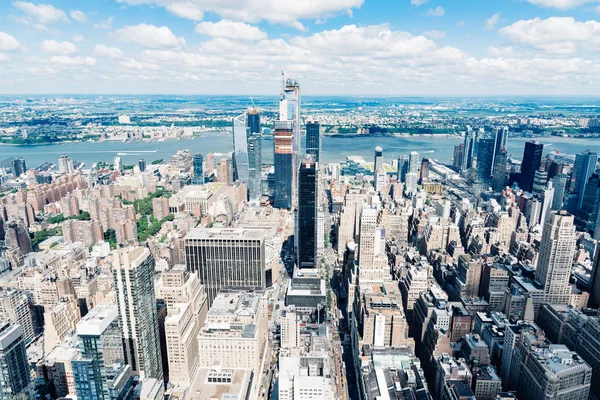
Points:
(587, 214)
(307, 213)
(15, 372)
(532, 159)
(284, 164)
(313, 139)
(240, 149)
(585, 165)
(254, 155)
(485, 159)
(198, 178)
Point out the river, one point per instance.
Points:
(334, 149)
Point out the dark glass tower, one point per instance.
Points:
(499, 176)
(313, 139)
(532, 159)
(142, 164)
(307, 213)
(485, 159)
(15, 371)
(402, 168)
(585, 165)
(198, 178)
(284, 163)
(18, 167)
(587, 214)
(254, 155)
(501, 139)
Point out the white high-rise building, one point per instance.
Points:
(65, 165)
(557, 249)
(117, 163)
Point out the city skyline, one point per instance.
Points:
(347, 47)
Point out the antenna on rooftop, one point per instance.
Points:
(252, 100)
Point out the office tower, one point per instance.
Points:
(226, 258)
(16, 235)
(588, 212)
(425, 164)
(501, 139)
(15, 372)
(99, 372)
(378, 163)
(532, 160)
(457, 161)
(284, 163)
(559, 183)
(117, 163)
(198, 170)
(585, 165)
(18, 167)
(133, 273)
(414, 162)
(485, 159)
(307, 213)
(402, 169)
(15, 307)
(469, 148)
(292, 106)
(224, 171)
(65, 164)
(313, 139)
(547, 197)
(411, 182)
(142, 164)
(383, 319)
(539, 181)
(557, 249)
(499, 175)
(254, 155)
(240, 149)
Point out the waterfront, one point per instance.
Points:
(334, 149)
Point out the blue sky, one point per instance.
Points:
(337, 47)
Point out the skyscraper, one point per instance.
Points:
(540, 178)
(588, 212)
(142, 164)
(133, 273)
(485, 159)
(289, 110)
(499, 175)
(100, 369)
(254, 155)
(457, 160)
(378, 163)
(557, 248)
(313, 139)
(18, 167)
(284, 163)
(226, 258)
(198, 178)
(414, 162)
(307, 213)
(15, 372)
(559, 182)
(469, 148)
(240, 149)
(402, 169)
(65, 165)
(585, 165)
(501, 138)
(532, 159)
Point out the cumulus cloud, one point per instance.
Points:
(73, 61)
(134, 64)
(44, 13)
(231, 30)
(418, 2)
(255, 10)
(559, 35)
(78, 38)
(105, 24)
(434, 34)
(150, 36)
(436, 12)
(54, 47)
(78, 16)
(560, 4)
(491, 23)
(9, 42)
(102, 50)
(506, 51)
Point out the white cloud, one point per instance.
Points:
(44, 13)
(285, 12)
(41, 71)
(436, 12)
(4, 57)
(73, 61)
(560, 4)
(102, 50)
(78, 38)
(559, 35)
(435, 34)
(54, 47)
(418, 2)
(8, 42)
(491, 23)
(78, 16)
(461, 24)
(506, 51)
(231, 30)
(105, 24)
(150, 36)
(134, 64)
